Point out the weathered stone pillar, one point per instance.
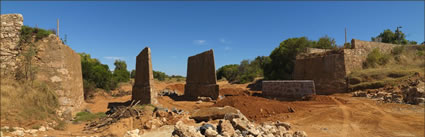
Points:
(142, 88)
(201, 79)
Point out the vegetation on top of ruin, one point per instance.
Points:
(397, 37)
(27, 33)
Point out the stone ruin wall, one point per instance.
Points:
(201, 80)
(288, 88)
(58, 66)
(329, 69)
(143, 85)
(11, 25)
(327, 72)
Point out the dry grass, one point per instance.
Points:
(21, 101)
(400, 66)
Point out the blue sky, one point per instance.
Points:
(235, 30)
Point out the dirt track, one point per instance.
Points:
(322, 116)
(360, 117)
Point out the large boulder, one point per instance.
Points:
(183, 130)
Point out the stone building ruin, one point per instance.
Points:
(329, 68)
(201, 80)
(143, 83)
(58, 66)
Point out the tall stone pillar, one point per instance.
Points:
(142, 88)
(201, 79)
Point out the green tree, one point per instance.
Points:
(283, 58)
(230, 72)
(397, 37)
(161, 76)
(325, 43)
(133, 74)
(96, 74)
(121, 73)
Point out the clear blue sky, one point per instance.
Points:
(235, 30)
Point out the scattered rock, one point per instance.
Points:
(18, 132)
(299, 134)
(132, 133)
(42, 129)
(182, 130)
(212, 113)
(210, 132)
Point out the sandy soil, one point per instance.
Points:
(337, 115)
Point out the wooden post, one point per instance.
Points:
(345, 35)
(57, 29)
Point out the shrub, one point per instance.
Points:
(229, 72)
(28, 32)
(161, 76)
(121, 73)
(397, 50)
(376, 58)
(95, 73)
(133, 74)
(87, 116)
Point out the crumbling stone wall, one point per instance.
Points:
(288, 88)
(11, 25)
(201, 80)
(55, 64)
(329, 69)
(60, 67)
(142, 88)
(368, 46)
(326, 70)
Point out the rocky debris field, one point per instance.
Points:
(232, 123)
(410, 91)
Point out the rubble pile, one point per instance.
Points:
(410, 91)
(235, 125)
(113, 115)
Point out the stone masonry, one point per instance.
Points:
(57, 65)
(288, 88)
(60, 67)
(11, 25)
(201, 80)
(329, 69)
(142, 88)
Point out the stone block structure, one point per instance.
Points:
(11, 25)
(329, 69)
(201, 80)
(58, 66)
(288, 88)
(142, 88)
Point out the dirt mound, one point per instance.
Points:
(177, 87)
(256, 108)
(233, 92)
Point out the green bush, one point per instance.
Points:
(397, 37)
(95, 73)
(376, 58)
(28, 32)
(230, 72)
(247, 71)
(282, 58)
(121, 73)
(133, 74)
(161, 76)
